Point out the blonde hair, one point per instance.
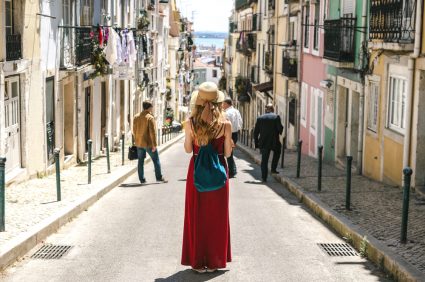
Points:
(203, 131)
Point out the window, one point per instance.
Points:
(307, 26)
(9, 17)
(86, 12)
(397, 103)
(316, 25)
(304, 90)
(372, 117)
(214, 73)
(313, 109)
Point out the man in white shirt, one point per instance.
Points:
(234, 116)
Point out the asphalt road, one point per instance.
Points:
(134, 233)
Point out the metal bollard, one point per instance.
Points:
(406, 195)
(319, 172)
(282, 160)
(299, 149)
(2, 195)
(108, 160)
(89, 144)
(348, 184)
(122, 147)
(58, 175)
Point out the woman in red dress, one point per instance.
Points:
(206, 234)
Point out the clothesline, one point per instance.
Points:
(96, 26)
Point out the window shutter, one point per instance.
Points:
(348, 7)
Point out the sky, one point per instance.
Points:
(209, 15)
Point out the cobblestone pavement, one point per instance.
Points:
(31, 202)
(376, 207)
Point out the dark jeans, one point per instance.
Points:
(141, 153)
(265, 155)
(230, 161)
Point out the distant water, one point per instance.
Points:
(219, 43)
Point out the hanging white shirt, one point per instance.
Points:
(113, 49)
(235, 118)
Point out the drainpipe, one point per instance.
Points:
(288, 21)
(411, 81)
(299, 69)
(362, 93)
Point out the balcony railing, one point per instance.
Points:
(289, 65)
(392, 20)
(252, 41)
(246, 43)
(233, 27)
(256, 22)
(339, 39)
(76, 46)
(255, 74)
(268, 67)
(13, 47)
(239, 4)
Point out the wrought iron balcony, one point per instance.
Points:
(233, 27)
(339, 39)
(13, 47)
(252, 41)
(239, 4)
(289, 65)
(255, 74)
(246, 43)
(392, 20)
(268, 67)
(256, 22)
(76, 46)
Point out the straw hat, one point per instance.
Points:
(207, 92)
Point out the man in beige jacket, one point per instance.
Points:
(144, 132)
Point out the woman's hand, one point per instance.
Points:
(228, 142)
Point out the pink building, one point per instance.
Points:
(313, 71)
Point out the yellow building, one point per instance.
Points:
(390, 93)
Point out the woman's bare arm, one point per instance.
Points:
(188, 140)
(228, 143)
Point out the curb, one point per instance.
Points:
(377, 252)
(21, 245)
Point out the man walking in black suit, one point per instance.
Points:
(266, 136)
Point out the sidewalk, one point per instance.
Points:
(31, 206)
(376, 213)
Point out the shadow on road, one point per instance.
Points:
(190, 275)
(135, 185)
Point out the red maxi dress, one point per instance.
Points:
(206, 234)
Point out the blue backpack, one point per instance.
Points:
(210, 173)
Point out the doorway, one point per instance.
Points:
(348, 125)
(87, 127)
(50, 118)
(12, 123)
(103, 113)
(69, 116)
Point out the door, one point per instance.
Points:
(87, 119)
(319, 120)
(50, 118)
(69, 116)
(12, 123)
(103, 113)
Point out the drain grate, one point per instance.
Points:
(51, 252)
(338, 249)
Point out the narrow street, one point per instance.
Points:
(134, 233)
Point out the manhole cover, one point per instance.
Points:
(338, 249)
(51, 252)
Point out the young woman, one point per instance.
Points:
(206, 235)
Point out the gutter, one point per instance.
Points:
(411, 80)
(360, 149)
(300, 47)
